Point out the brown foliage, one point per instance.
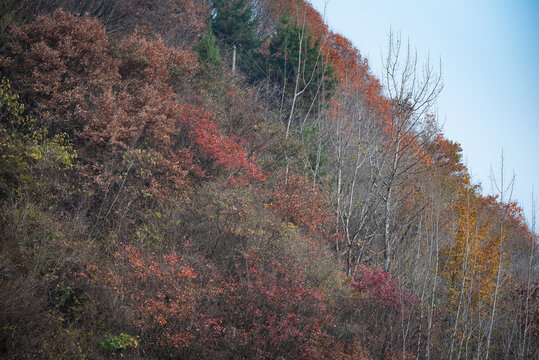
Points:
(111, 100)
(178, 22)
(61, 66)
(296, 201)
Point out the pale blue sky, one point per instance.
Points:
(489, 51)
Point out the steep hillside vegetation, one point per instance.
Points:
(189, 179)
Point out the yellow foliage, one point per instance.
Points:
(470, 262)
(27, 149)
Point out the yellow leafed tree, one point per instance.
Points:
(470, 262)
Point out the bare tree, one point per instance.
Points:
(304, 80)
(530, 306)
(502, 189)
(353, 141)
(412, 91)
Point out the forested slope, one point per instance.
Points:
(194, 179)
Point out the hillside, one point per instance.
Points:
(190, 179)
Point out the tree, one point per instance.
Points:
(208, 51)
(502, 191)
(234, 24)
(529, 295)
(471, 267)
(407, 126)
(296, 62)
(353, 134)
(177, 22)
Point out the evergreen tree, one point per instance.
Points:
(290, 44)
(208, 51)
(234, 24)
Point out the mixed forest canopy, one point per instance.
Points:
(226, 179)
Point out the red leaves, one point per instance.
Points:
(267, 309)
(224, 151)
(158, 292)
(379, 287)
(297, 202)
(116, 102)
(60, 63)
(152, 61)
(278, 311)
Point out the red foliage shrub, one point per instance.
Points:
(276, 312)
(179, 22)
(380, 288)
(61, 65)
(158, 294)
(74, 84)
(296, 201)
(381, 308)
(151, 61)
(261, 312)
(225, 151)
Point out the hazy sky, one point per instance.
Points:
(490, 65)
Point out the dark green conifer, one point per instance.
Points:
(289, 41)
(235, 24)
(208, 51)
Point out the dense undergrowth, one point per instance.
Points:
(154, 204)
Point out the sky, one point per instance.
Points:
(489, 50)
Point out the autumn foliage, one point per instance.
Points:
(155, 207)
(262, 311)
(383, 290)
(118, 99)
(296, 201)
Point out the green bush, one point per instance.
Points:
(29, 151)
(119, 342)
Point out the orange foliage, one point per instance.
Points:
(296, 201)
(471, 261)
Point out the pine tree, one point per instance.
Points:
(234, 24)
(208, 51)
(290, 44)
